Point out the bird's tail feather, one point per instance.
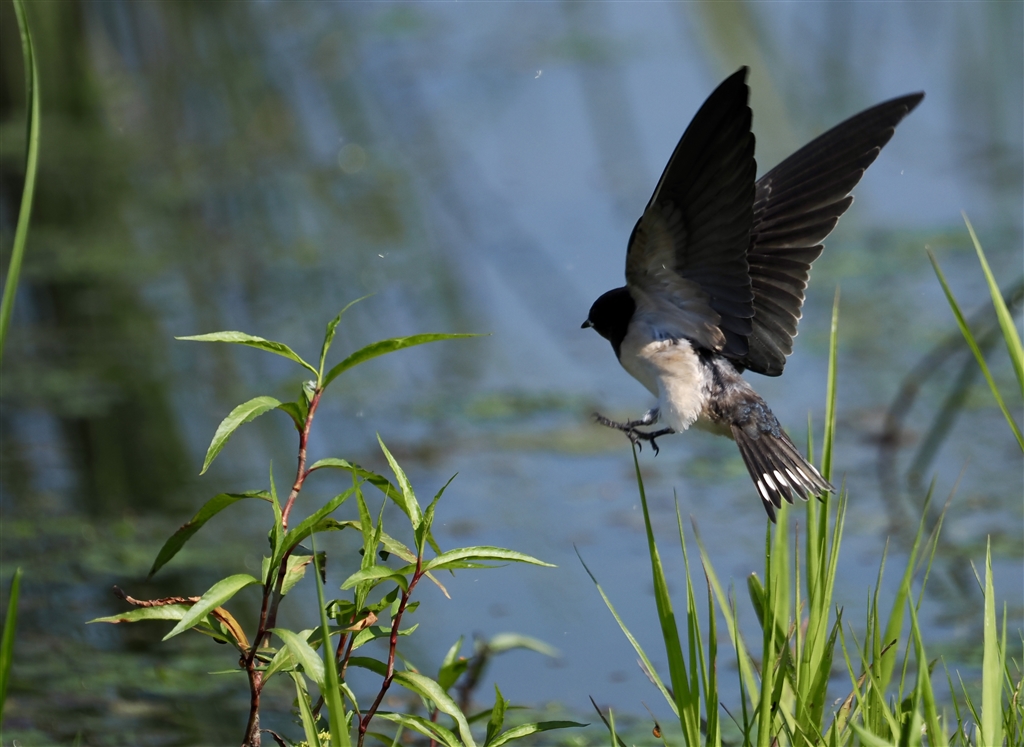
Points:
(778, 469)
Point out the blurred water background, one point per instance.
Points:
(478, 168)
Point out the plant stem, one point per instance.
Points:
(300, 472)
(364, 723)
(252, 727)
(272, 591)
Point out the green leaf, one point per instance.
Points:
(427, 688)
(406, 499)
(277, 531)
(305, 527)
(28, 190)
(210, 509)
(242, 414)
(241, 338)
(422, 532)
(217, 595)
(332, 326)
(378, 573)
(503, 642)
(378, 481)
(424, 726)
(497, 719)
(297, 411)
(383, 347)
(452, 666)
(306, 712)
(1006, 323)
(304, 654)
(7, 638)
(978, 356)
(163, 612)
(525, 730)
(284, 659)
(372, 665)
(481, 553)
(294, 572)
(868, 739)
(374, 632)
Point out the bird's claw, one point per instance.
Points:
(635, 436)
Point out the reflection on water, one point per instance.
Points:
(478, 168)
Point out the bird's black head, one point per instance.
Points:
(610, 315)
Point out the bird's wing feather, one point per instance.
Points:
(797, 204)
(687, 261)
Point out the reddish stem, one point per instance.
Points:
(300, 473)
(364, 723)
(272, 590)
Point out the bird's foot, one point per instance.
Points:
(636, 436)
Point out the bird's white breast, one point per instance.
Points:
(671, 370)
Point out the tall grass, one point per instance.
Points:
(11, 290)
(31, 166)
(787, 682)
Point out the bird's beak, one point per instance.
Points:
(587, 324)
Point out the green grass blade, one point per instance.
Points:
(728, 609)
(705, 666)
(830, 393)
(332, 689)
(651, 672)
(7, 639)
(1013, 344)
(973, 345)
(923, 686)
(306, 712)
(992, 664)
(687, 701)
(31, 167)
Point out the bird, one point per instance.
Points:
(716, 270)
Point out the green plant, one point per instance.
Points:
(1006, 325)
(379, 594)
(784, 692)
(31, 167)
(11, 290)
(7, 637)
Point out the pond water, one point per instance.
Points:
(477, 167)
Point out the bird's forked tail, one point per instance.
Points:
(777, 467)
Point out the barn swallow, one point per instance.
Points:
(716, 269)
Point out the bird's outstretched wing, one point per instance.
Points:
(797, 204)
(687, 262)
